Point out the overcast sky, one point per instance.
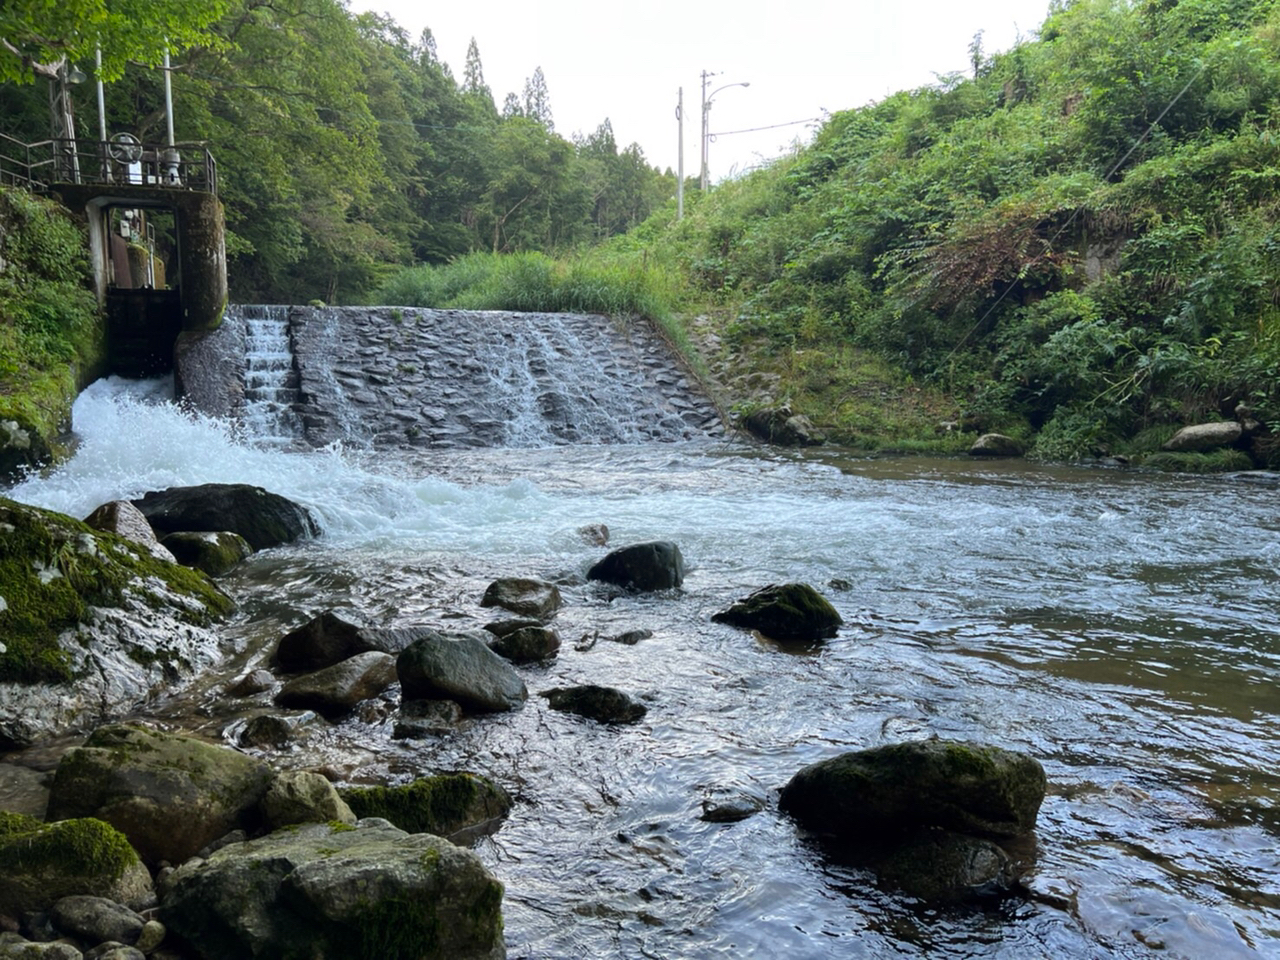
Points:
(625, 62)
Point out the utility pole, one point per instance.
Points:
(706, 110)
(680, 155)
(706, 122)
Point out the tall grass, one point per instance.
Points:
(532, 282)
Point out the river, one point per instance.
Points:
(1119, 626)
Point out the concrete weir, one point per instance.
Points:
(402, 377)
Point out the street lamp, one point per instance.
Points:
(706, 114)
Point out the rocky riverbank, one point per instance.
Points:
(155, 844)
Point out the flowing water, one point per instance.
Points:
(1120, 627)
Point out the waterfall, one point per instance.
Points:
(271, 395)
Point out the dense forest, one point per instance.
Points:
(1075, 242)
(345, 147)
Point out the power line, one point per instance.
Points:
(792, 123)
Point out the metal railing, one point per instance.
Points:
(35, 166)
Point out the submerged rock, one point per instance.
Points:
(787, 611)
(527, 645)
(263, 518)
(270, 730)
(462, 668)
(656, 565)
(91, 624)
(523, 596)
(213, 553)
(443, 805)
(40, 863)
(955, 785)
(425, 718)
(335, 691)
(332, 891)
(170, 795)
(328, 639)
(939, 865)
(602, 704)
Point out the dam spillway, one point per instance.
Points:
(403, 377)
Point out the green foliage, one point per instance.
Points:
(531, 282)
(51, 337)
(127, 30)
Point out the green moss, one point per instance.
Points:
(440, 805)
(54, 568)
(85, 846)
(337, 826)
(398, 928)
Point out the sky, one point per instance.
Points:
(627, 62)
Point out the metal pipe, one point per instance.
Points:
(168, 96)
(102, 109)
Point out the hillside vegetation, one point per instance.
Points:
(1078, 243)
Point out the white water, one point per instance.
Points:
(270, 391)
(1119, 627)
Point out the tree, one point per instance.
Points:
(37, 36)
(473, 75)
(537, 101)
(511, 107)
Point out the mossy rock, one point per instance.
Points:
(787, 611)
(369, 892)
(42, 862)
(442, 805)
(54, 570)
(955, 785)
(214, 553)
(170, 795)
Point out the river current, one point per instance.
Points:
(1119, 626)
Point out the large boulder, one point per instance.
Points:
(1203, 437)
(955, 785)
(996, 445)
(40, 863)
(91, 624)
(335, 691)
(523, 596)
(443, 805)
(125, 520)
(170, 795)
(333, 891)
(602, 704)
(329, 639)
(781, 426)
(214, 553)
(787, 611)
(263, 518)
(459, 667)
(656, 565)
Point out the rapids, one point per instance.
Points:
(1120, 627)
